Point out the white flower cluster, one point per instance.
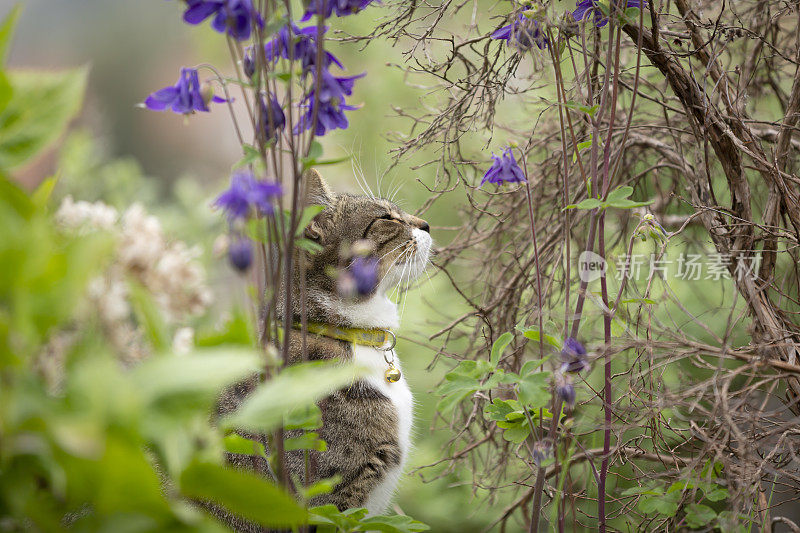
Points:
(169, 271)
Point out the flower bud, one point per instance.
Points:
(249, 63)
(240, 254)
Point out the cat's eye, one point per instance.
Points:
(387, 216)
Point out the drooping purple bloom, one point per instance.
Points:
(365, 273)
(523, 33)
(504, 170)
(585, 7)
(330, 105)
(183, 98)
(240, 254)
(235, 17)
(342, 8)
(271, 119)
(299, 44)
(262, 194)
(247, 195)
(564, 389)
(360, 278)
(573, 356)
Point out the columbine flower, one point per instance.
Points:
(304, 42)
(235, 17)
(360, 278)
(185, 97)
(564, 389)
(240, 254)
(365, 273)
(573, 356)
(524, 32)
(247, 195)
(504, 170)
(340, 7)
(330, 105)
(585, 7)
(271, 119)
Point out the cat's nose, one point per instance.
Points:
(419, 223)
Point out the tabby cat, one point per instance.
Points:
(367, 425)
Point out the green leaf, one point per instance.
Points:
(306, 441)
(647, 301)
(534, 389)
(334, 161)
(392, 524)
(323, 486)
(533, 334)
(41, 195)
(243, 493)
(6, 91)
(235, 443)
(296, 387)
(314, 153)
(716, 494)
(203, 372)
(149, 316)
(588, 203)
(39, 111)
(251, 155)
(7, 32)
(698, 515)
(306, 216)
(499, 346)
(620, 193)
(666, 504)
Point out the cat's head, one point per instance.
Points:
(400, 241)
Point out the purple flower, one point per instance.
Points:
(271, 119)
(573, 356)
(365, 273)
(246, 195)
(330, 105)
(300, 44)
(185, 97)
(564, 389)
(358, 279)
(240, 254)
(249, 62)
(504, 170)
(584, 7)
(235, 17)
(524, 32)
(340, 7)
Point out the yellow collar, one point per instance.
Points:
(376, 338)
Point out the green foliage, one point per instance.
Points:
(39, 110)
(617, 198)
(296, 387)
(330, 520)
(245, 494)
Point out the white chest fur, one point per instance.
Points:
(400, 396)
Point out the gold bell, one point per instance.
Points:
(392, 374)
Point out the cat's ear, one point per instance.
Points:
(318, 193)
(317, 190)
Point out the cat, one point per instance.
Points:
(367, 425)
